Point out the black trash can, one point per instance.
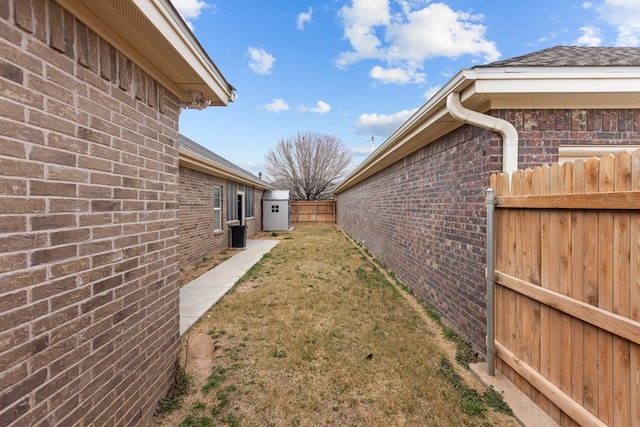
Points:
(238, 236)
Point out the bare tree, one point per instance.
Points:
(308, 164)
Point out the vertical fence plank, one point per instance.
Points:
(634, 293)
(517, 311)
(590, 289)
(536, 307)
(605, 294)
(509, 297)
(577, 281)
(564, 287)
(497, 185)
(553, 283)
(529, 327)
(621, 293)
(545, 276)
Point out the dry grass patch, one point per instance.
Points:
(315, 334)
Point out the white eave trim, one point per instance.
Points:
(173, 27)
(482, 89)
(162, 16)
(191, 160)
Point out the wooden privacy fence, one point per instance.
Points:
(567, 296)
(314, 211)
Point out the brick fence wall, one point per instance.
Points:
(88, 226)
(424, 216)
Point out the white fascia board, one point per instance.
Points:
(557, 80)
(566, 88)
(559, 84)
(202, 164)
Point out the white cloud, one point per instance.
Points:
(277, 104)
(406, 38)
(396, 75)
(190, 9)
(260, 61)
(437, 30)
(303, 18)
(551, 36)
(624, 15)
(320, 108)
(360, 22)
(382, 124)
(591, 36)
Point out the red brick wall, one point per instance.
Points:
(424, 216)
(197, 236)
(88, 226)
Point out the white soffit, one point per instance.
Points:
(154, 36)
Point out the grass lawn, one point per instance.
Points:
(318, 334)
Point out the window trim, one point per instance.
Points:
(217, 210)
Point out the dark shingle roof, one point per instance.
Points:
(192, 146)
(575, 56)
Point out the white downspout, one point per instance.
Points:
(504, 128)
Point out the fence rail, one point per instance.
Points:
(313, 212)
(567, 297)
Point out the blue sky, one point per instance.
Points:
(358, 69)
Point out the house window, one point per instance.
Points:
(217, 208)
(275, 208)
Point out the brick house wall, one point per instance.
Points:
(88, 226)
(197, 236)
(255, 224)
(424, 216)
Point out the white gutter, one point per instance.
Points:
(504, 128)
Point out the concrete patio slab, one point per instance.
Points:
(197, 297)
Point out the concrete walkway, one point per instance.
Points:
(524, 410)
(197, 297)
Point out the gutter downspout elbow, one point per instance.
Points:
(506, 130)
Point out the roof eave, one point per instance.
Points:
(483, 89)
(154, 36)
(398, 144)
(193, 161)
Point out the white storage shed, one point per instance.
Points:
(275, 210)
